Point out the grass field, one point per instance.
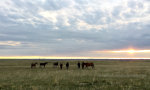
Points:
(107, 75)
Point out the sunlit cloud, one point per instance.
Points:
(130, 51)
(85, 26)
(49, 15)
(10, 43)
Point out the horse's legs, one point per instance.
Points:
(33, 66)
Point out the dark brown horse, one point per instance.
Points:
(61, 65)
(55, 64)
(67, 65)
(43, 64)
(33, 65)
(87, 65)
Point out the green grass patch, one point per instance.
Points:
(107, 75)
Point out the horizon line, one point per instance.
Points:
(61, 57)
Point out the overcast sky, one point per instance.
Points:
(74, 27)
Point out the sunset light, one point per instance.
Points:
(131, 51)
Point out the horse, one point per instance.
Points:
(33, 65)
(83, 65)
(55, 64)
(43, 64)
(61, 65)
(67, 65)
(78, 64)
(87, 65)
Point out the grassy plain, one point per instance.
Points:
(107, 75)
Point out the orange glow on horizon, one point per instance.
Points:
(131, 51)
(105, 55)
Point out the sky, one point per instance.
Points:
(75, 28)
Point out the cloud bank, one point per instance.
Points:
(72, 27)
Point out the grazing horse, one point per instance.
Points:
(78, 64)
(61, 65)
(33, 65)
(88, 64)
(67, 65)
(43, 64)
(83, 65)
(55, 64)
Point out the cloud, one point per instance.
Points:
(73, 27)
(10, 43)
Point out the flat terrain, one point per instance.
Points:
(107, 75)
